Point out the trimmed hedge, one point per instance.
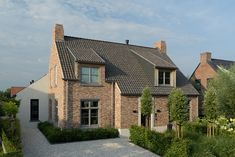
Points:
(151, 140)
(195, 142)
(179, 148)
(56, 135)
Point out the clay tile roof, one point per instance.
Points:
(131, 66)
(15, 90)
(216, 63)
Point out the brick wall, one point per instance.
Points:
(193, 108)
(56, 92)
(203, 72)
(102, 93)
(117, 116)
(161, 111)
(128, 105)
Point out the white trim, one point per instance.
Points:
(152, 117)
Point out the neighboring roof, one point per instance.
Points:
(216, 63)
(131, 66)
(15, 90)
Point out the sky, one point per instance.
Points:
(189, 28)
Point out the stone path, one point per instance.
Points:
(36, 145)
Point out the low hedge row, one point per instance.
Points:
(195, 143)
(151, 140)
(56, 135)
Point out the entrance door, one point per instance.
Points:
(34, 109)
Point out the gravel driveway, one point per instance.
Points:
(36, 145)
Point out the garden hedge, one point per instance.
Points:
(57, 135)
(152, 140)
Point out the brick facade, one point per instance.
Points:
(204, 71)
(56, 91)
(114, 109)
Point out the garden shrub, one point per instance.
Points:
(179, 148)
(10, 131)
(137, 135)
(152, 140)
(197, 126)
(56, 135)
(7, 144)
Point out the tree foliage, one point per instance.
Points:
(210, 106)
(146, 103)
(224, 85)
(178, 108)
(210, 109)
(10, 108)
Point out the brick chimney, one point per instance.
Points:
(58, 32)
(161, 45)
(205, 57)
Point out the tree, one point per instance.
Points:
(146, 104)
(210, 109)
(224, 85)
(10, 108)
(178, 108)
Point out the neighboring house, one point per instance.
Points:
(205, 71)
(34, 103)
(15, 90)
(97, 83)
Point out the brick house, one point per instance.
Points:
(97, 83)
(205, 71)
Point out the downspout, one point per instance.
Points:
(66, 103)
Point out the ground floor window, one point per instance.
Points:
(34, 109)
(89, 112)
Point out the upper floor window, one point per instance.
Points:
(90, 75)
(164, 77)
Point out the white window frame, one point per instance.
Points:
(164, 77)
(89, 113)
(90, 75)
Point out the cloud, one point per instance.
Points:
(25, 30)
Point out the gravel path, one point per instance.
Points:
(36, 145)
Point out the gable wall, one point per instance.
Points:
(57, 92)
(103, 93)
(203, 72)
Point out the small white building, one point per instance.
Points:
(33, 103)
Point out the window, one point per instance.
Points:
(89, 75)
(51, 80)
(34, 109)
(164, 78)
(89, 112)
(55, 75)
(198, 84)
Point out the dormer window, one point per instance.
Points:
(90, 75)
(164, 77)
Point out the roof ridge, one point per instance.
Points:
(222, 60)
(154, 55)
(97, 55)
(113, 42)
(71, 53)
